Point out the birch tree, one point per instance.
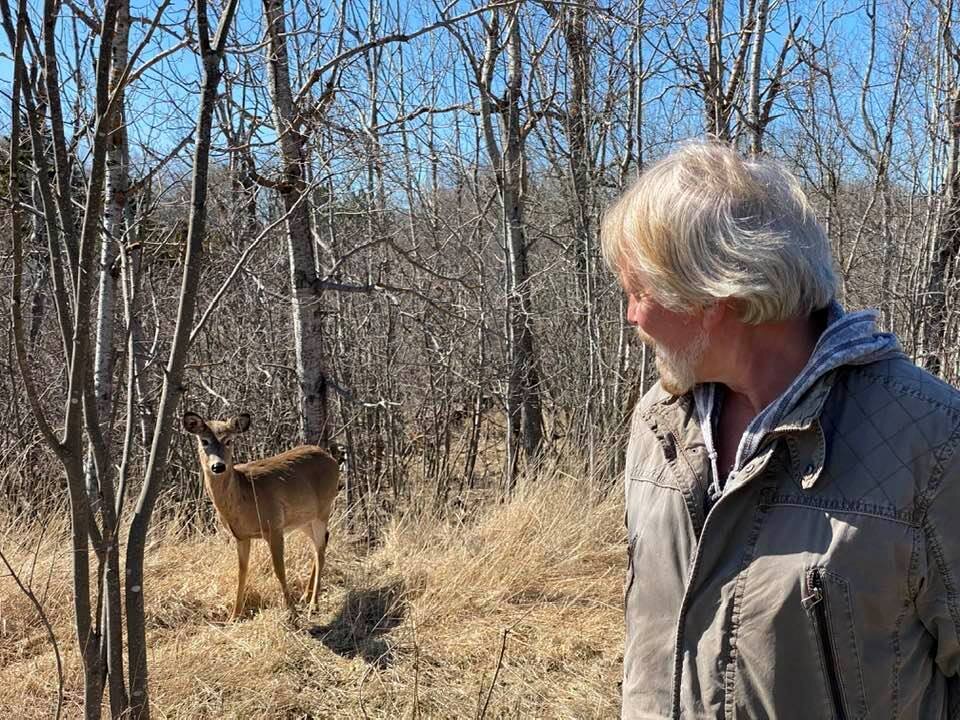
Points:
(506, 156)
(99, 634)
(725, 67)
(312, 364)
(942, 274)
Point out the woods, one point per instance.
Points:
(375, 224)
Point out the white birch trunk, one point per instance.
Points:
(306, 301)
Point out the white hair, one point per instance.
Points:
(704, 223)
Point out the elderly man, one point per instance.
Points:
(792, 483)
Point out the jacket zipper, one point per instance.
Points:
(815, 601)
(694, 569)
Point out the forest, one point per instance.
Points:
(374, 225)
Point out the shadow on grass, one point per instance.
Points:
(359, 627)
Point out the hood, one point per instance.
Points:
(849, 339)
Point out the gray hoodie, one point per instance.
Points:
(849, 339)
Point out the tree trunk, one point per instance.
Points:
(948, 241)
(523, 405)
(574, 25)
(117, 182)
(79, 410)
(753, 106)
(307, 306)
(139, 347)
(212, 58)
(69, 454)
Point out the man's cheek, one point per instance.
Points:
(646, 339)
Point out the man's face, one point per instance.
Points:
(678, 340)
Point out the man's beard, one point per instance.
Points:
(678, 369)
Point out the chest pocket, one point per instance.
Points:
(643, 487)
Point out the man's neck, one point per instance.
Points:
(762, 361)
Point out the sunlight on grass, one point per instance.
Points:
(527, 592)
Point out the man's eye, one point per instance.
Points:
(226, 443)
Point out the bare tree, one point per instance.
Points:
(312, 364)
(947, 248)
(728, 80)
(99, 623)
(506, 155)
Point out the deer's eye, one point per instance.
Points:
(204, 442)
(226, 443)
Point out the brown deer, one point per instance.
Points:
(267, 498)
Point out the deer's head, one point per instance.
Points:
(215, 440)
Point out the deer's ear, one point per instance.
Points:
(193, 423)
(241, 423)
(338, 453)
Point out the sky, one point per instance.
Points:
(162, 105)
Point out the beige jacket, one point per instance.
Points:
(825, 580)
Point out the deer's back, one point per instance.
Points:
(293, 487)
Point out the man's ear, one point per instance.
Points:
(241, 423)
(193, 423)
(718, 311)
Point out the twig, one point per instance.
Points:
(360, 691)
(496, 673)
(416, 674)
(46, 623)
(206, 386)
(239, 266)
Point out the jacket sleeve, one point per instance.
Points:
(938, 577)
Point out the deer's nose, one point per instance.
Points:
(218, 467)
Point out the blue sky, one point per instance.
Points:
(161, 106)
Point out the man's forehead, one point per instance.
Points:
(634, 281)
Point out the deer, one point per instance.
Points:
(267, 498)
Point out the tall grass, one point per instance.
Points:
(515, 612)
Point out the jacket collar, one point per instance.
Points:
(849, 339)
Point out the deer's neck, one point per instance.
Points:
(222, 489)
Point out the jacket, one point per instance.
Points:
(824, 580)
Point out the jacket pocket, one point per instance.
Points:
(827, 601)
(631, 547)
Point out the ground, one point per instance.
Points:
(515, 614)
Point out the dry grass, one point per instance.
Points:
(528, 593)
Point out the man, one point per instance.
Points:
(793, 483)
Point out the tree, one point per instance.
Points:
(100, 637)
(506, 155)
(304, 281)
(947, 248)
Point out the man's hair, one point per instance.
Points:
(704, 223)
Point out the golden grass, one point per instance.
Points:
(527, 593)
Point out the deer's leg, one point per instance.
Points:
(243, 562)
(308, 531)
(275, 540)
(319, 534)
